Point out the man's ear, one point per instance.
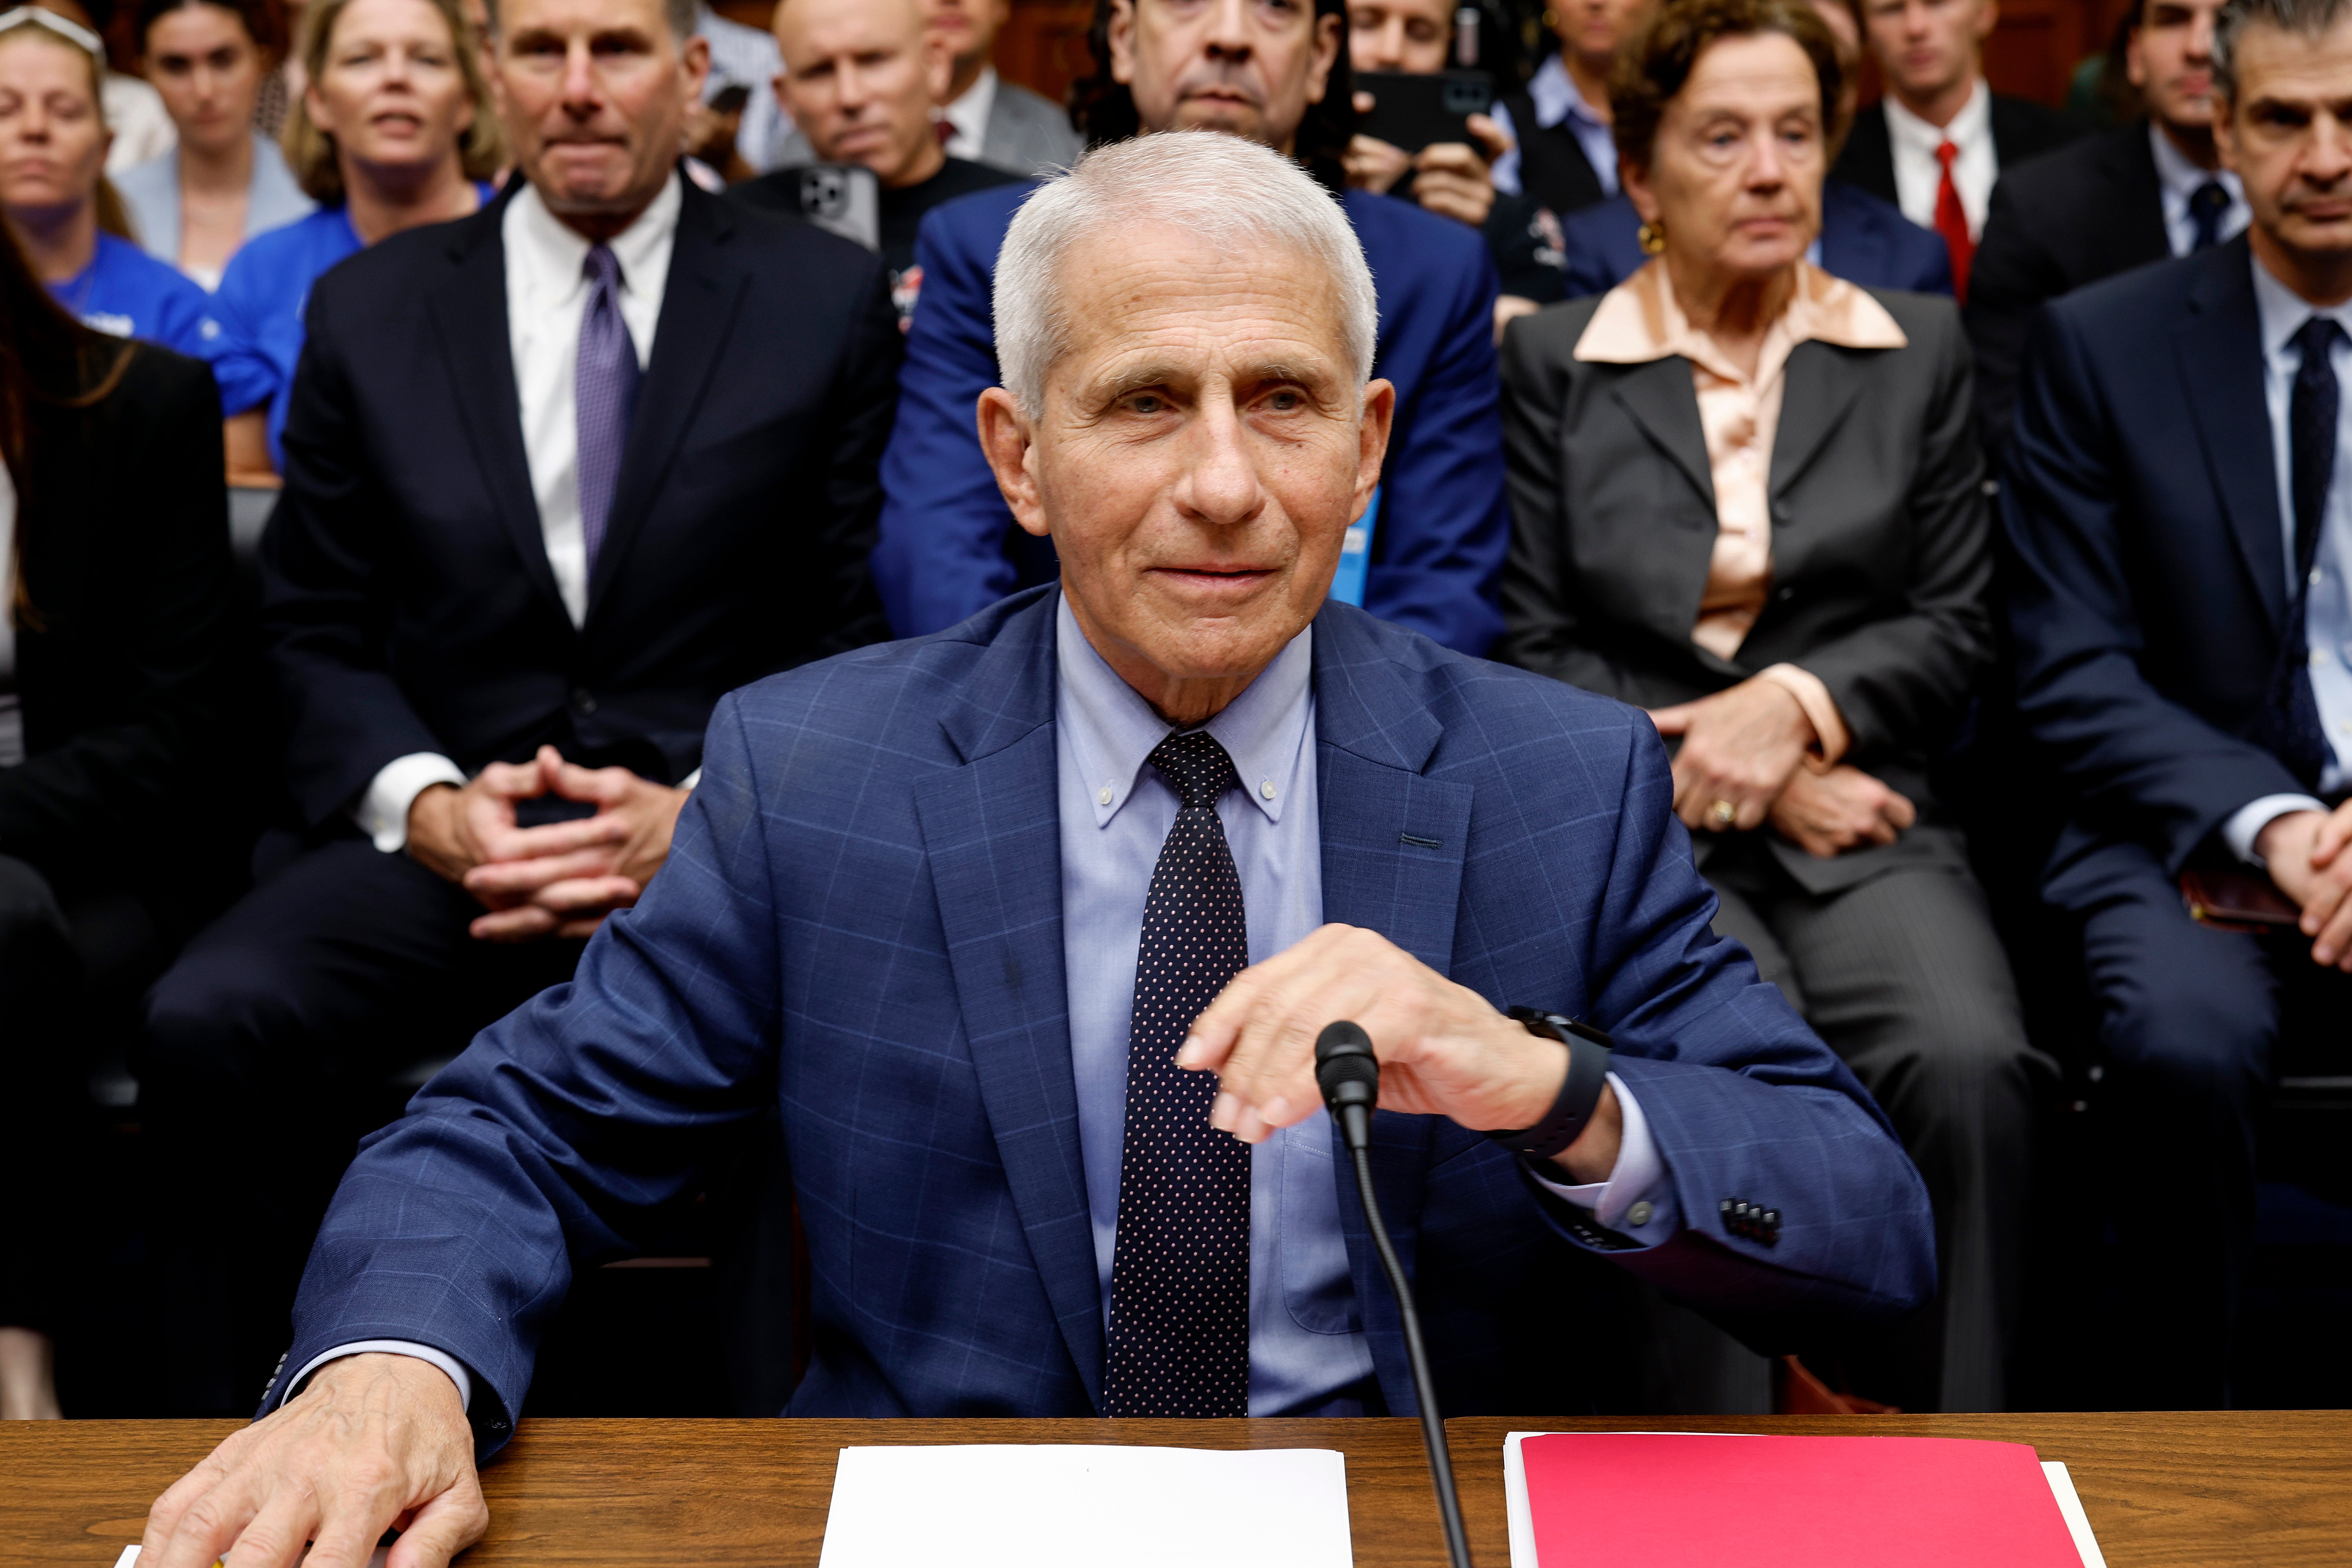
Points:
(1011, 443)
(1120, 33)
(938, 67)
(1372, 442)
(694, 60)
(1327, 55)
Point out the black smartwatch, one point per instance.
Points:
(1588, 1073)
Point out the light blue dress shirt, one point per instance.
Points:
(2177, 180)
(2328, 617)
(1553, 93)
(150, 193)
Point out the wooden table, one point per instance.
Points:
(2268, 1488)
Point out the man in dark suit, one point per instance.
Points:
(2107, 203)
(1934, 144)
(558, 476)
(1428, 555)
(2179, 498)
(1025, 931)
(1566, 155)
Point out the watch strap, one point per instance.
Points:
(1588, 1073)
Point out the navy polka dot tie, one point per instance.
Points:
(1179, 1269)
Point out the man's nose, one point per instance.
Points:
(2327, 158)
(1387, 45)
(1221, 486)
(2200, 37)
(1228, 34)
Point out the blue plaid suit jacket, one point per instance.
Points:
(860, 924)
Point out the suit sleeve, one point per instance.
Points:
(2013, 274)
(1901, 680)
(1744, 1103)
(86, 799)
(1542, 625)
(572, 1125)
(324, 571)
(940, 555)
(863, 399)
(2141, 762)
(1444, 525)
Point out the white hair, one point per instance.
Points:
(1230, 192)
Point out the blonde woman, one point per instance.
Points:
(393, 130)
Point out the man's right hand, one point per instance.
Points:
(2305, 853)
(453, 830)
(376, 1442)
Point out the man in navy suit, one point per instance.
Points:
(2180, 497)
(1431, 556)
(1026, 930)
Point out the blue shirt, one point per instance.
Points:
(1557, 102)
(128, 293)
(1307, 1351)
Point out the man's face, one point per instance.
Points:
(1928, 46)
(1250, 68)
(2288, 134)
(859, 79)
(967, 28)
(1410, 35)
(1202, 447)
(2171, 60)
(594, 94)
(1595, 30)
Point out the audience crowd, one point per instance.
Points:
(609, 355)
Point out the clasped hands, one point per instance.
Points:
(1746, 747)
(557, 881)
(2305, 852)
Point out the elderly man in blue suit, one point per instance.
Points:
(1429, 554)
(1026, 930)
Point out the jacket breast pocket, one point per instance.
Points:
(1310, 1248)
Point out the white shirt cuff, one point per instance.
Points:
(2246, 824)
(690, 780)
(448, 1363)
(382, 811)
(1639, 1170)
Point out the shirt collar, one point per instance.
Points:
(557, 252)
(1113, 730)
(1640, 320)
(969, 114)
(1554, 93)
(2282, 311)
(1973, 120)
(2177, 175)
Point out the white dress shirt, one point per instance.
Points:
(2328, 617)
(1918, 173)
(547, 291)
(969, 115)
(2177, 179)
(1557, 102)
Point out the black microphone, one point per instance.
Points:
(1349, 1074)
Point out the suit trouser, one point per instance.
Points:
(2190, 1020)
(1903, 976)
(268, 1045)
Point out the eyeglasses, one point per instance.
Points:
(71, 31)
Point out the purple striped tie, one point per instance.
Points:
(606, 388)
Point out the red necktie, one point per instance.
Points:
(1952, 222)
(944, 129)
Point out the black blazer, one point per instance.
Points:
(2150, 595)
(1881, 554)
(123, 670)
(2020, 129)
(1553, 168)
(2085, 212)
(407, 601)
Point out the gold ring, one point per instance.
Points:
(1723, 813)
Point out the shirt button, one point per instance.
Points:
(1640, 1213)
(1102, 796)
(1266, 788)
(583, 699)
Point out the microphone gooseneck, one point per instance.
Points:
(1349, 1074)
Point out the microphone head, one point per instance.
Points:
(1346, 1070)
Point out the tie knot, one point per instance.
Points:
(602, 268)
(1196, 767)
(2316, 337)
(2209, 200)
(1946, 151)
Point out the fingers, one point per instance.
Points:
(507, 881)
(2334, 833)
(601, 786)
(514, 781)
(527, 922)
(442, 1528)
(1364, 104)
(1490, 136)
(2328, 920)
(197, 1517)
(278, 1534)
(1673, 721)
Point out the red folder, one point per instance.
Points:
(1666, 1500)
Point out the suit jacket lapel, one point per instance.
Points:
(991, 833)
(468, 312)
(1814, 401)
(1660, 400)
(2220, 352)
(1394, 843)
(700, 299)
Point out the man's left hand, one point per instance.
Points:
(1444, 1051)
(570, 895)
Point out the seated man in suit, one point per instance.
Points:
(1863, 240)
(2107, 203)
(559, 475)
(1934, 144)
(1279, 76)
(1027, 930)
(2178, 493)
(1565, 154)
(991, 121)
